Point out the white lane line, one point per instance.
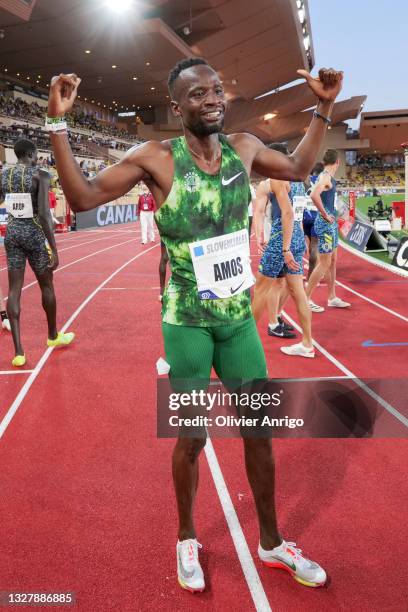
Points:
(247, 563)
(129, 288)
(367, 299)
(349, 373)
(250, 572)
(74, 246)
(113, 246)
(218, 383)
(28, 383)
(311, 379)
(78, 244)
(7, 372)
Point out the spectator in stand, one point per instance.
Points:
(145, 209)
(103, 132)
(84, 167)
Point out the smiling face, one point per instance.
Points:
(199, 100)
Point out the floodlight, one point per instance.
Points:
(118, 5)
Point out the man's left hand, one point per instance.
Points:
(327, 85)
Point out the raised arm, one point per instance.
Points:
(297, 166)
(109, 184)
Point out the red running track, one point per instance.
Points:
(87, 499)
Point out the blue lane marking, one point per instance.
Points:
(368, 343)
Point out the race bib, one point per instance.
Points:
(20, 205)
(222, 265)
(309, 204)
(299, 205)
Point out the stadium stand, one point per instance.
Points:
(89, 136)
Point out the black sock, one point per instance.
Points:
(3, 315)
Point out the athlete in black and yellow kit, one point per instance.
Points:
(30, 235)
(200, 184)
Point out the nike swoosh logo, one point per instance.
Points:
(236, 288)
(226, 182)
(286, 562)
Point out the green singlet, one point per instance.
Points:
(200, 206)
(203, 333)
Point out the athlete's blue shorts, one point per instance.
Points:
(309, 218)
(272, 263)
(327, 234)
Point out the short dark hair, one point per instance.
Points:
(330, 157)
(24, 147)
(279, 146)
(318, 168)
(183, 65)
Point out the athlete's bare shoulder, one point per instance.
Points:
(277, 185)
(153, 157)
(325, 181)
(263, 187)
(148, 149)
(247, 146)
(242, 140)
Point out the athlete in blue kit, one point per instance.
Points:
(282, 258)
(324, 196)
(309, 218)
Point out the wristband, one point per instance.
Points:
(55, 124)
(319, 116)
(285, 250)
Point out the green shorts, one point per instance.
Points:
(234, 351)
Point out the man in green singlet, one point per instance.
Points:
(200, 184)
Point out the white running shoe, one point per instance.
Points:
(338, 303)
(315, 307)
(299, 350)
(288, 557)
(189, 572)
(6, 324)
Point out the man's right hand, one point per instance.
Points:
(290, 261)
(54, 261)
(63, 92)
(329, 218)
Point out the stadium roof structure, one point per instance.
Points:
(124, 59)
(385, 130)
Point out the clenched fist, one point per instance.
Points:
(63, 91)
